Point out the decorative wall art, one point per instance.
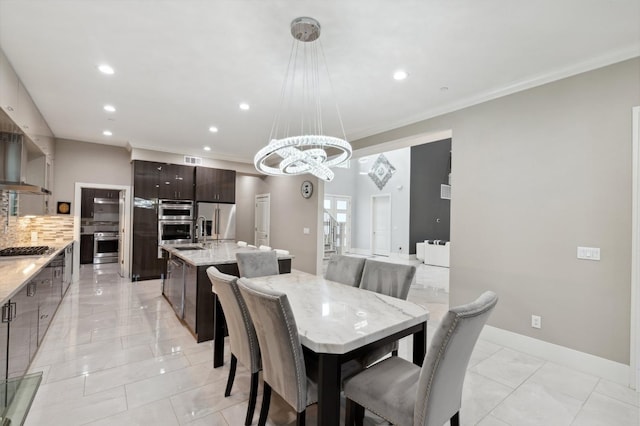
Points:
(381, 171)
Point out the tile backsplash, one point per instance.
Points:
(49, 229)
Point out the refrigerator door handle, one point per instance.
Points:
(218, 222)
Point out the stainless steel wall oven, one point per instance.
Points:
(175, 210)
(105, 247)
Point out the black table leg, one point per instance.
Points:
(420, 345)
(329, 390)
(218, 333)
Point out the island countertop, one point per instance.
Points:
(16, 271)
(211, 253)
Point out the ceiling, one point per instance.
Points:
(182, 66)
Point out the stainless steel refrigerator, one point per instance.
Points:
(218, 221)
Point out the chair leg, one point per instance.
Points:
(301, 418)
(266, 400)
(354, 414)
(253, 393)
(232, 375)
(455, 419)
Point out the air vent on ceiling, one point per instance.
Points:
(196, 161)
(445, 192)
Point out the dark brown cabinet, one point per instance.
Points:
(215, 185)
(146, 179)
(176, 182)
(86, 249)
(145, 264)
(86, 203)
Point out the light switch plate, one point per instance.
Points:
(589, 253)
(306, 231)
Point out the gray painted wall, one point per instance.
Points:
(537, 174)
(89, 163)
(429, 216)
(360, 187)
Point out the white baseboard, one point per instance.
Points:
(581, 361)
(396, 255)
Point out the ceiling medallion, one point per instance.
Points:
(381, 171)
(310, 151)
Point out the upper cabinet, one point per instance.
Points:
(8, 88)
(176, 182)
(215, 185)
(153, 180)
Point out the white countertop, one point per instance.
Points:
(337, 318)
(16, 271)
(214, 254)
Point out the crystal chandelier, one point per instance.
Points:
(300, 110)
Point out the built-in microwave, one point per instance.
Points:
(175, 231)
(175, 210)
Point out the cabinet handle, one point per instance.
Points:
(31, 289)
(13, 311)
(5, 313)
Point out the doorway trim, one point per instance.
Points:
(125, 228)
(268, 217)
(373, 198)
(634, 343)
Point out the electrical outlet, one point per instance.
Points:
(536, 321)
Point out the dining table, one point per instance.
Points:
(338, 323)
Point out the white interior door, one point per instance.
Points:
(381, 225)
(339, 207)
(263, 220)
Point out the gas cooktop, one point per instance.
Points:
(25, 251)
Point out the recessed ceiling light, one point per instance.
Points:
(213, 129)
(110, 108)
(400, 75)
(207, 148)
(107, 133)
(244, 106)
(106, 69)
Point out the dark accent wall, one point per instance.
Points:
(430, 166)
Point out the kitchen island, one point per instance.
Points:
(188, 288)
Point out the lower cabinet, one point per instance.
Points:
(86, 249)
(191, 296)
(27, 316)
(23, 330)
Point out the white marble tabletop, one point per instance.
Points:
(337, 318)
(212, 254)
(16, 271)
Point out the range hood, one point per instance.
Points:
(13, 160)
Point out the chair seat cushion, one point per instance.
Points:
(387, 389)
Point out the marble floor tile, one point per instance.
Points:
(133, 372)
(508, 367)
(149, 370)
(564, 380)
(490, 421)
(172, 383)
(89, 364)
(619, 392)
(78, 411)
(533, 404)
(157, 413)
(601, 410)
(479, 396)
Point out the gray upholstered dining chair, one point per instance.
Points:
(390, 279)
(345, 269)
(242, 336)
(283, 364)
(406, 394)
(257, 263)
